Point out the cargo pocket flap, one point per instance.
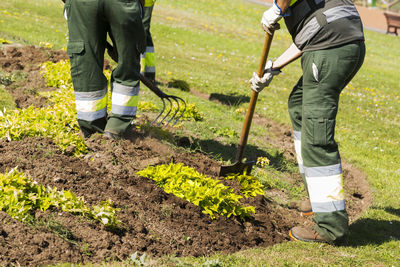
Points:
(75, 47)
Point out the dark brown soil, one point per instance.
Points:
(25, 61)
(153, 221)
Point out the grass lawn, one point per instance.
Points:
(214, 46)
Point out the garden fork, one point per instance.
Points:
(171, 99)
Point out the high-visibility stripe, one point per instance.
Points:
(124, 99)
(147, 61)
(91, 116)
(331, 170)
(150, 60)
(125, 90)
(312, 27)
(339, 12)
(148, 3)
(149, 70)
(90, 105)
(149, 49)
(90, 95)
(328, 206)
(325, 187)
(123, 110)
(297, 147)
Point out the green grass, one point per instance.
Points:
(214, 46)
(6, 100)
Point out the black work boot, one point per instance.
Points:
(306, 234)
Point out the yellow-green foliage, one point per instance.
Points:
(57, 122)
(57, 74)
(147, 106)
(209, 194)
(20, 196)
(250, 186)
(262, 162)
(191, 113)
(4, 41)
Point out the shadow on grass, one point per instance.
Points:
(228, 152)
(229, 100)
(179, 84)
(373, 232)
(392, 211)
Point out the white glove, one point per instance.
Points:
(270, 19)
(257, 83)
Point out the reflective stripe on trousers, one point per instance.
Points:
(148, 3)
(297, 147)
(91, 106)
(148, 61)
(325, 187)
(124, 99)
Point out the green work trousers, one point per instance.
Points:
(89, 21)
(313, 106)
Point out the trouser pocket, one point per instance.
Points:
(320, 126)
(75, 51)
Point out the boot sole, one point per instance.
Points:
(304, 240)
(306, 213)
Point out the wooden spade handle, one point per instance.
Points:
(253, 100)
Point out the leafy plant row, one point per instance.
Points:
(57, 121)
(211, 195)
(20, 196)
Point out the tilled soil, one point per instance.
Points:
(152, 221)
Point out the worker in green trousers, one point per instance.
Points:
(328, 36)
(88, 25)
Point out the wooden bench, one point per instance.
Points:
(393, 21)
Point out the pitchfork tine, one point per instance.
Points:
(183, 111)
(166, 115)
(159, 115)
(177, 109)
(155, 90)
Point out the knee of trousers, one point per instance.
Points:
(318, 145)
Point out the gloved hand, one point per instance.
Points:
(257, 83)
(270, 19)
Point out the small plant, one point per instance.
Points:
(20, 196)
(147, 106)
(262, 162)
(191, 112)
(224, 132)
(250, 186)
(45, 44)
(5, 41)
(212, 196)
